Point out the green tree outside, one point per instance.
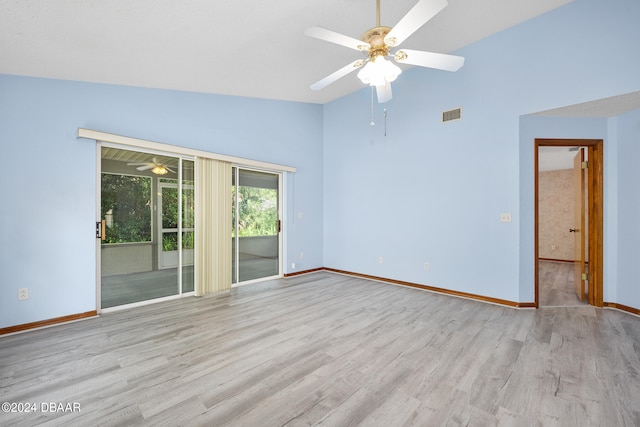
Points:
(258, 211)
(126, 207)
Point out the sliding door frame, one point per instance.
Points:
(130, 143)
(237, 168)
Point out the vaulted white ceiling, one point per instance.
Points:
(253, 48)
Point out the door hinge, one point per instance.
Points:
(585, 165)
(98, 230)
(279, 226)
(585, 276)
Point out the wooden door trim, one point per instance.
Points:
(579, 223)
(595, 207)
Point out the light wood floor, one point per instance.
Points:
(555, 285)
(325, 349)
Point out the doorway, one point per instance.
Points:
(582, 264)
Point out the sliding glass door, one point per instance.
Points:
(147, 226)
(147, 213)
(256, 225)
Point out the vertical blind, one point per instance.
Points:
(213, 226)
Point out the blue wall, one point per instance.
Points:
(433, 192)
(426, 192)
(48, 213)
(627, 209)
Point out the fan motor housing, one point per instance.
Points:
(375, 37)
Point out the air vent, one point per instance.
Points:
(450, 115)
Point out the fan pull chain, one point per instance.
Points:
(372, 122)
(385, 122)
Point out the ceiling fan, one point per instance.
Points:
(377, 43)
(154, 165)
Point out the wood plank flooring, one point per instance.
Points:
(555, 285)
(329, 350)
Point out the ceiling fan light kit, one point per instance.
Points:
(377, 42)
(159, 170)
(378, 72)
(154, 166)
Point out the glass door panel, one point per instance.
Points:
(188, 225)
(168, 219)
(256, 233)
(140, 207)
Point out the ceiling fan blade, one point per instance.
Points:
(337, 38)
(137, 164)
(321, 84)
(169, 169)
(419, 14)
(384, 93)
(439, 61)
(145, 167)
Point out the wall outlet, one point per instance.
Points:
(379, 260)
(426, 266)
(293, 265)
(23, 293)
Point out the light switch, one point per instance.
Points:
(505, 217)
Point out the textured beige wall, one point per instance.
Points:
(555, 214)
